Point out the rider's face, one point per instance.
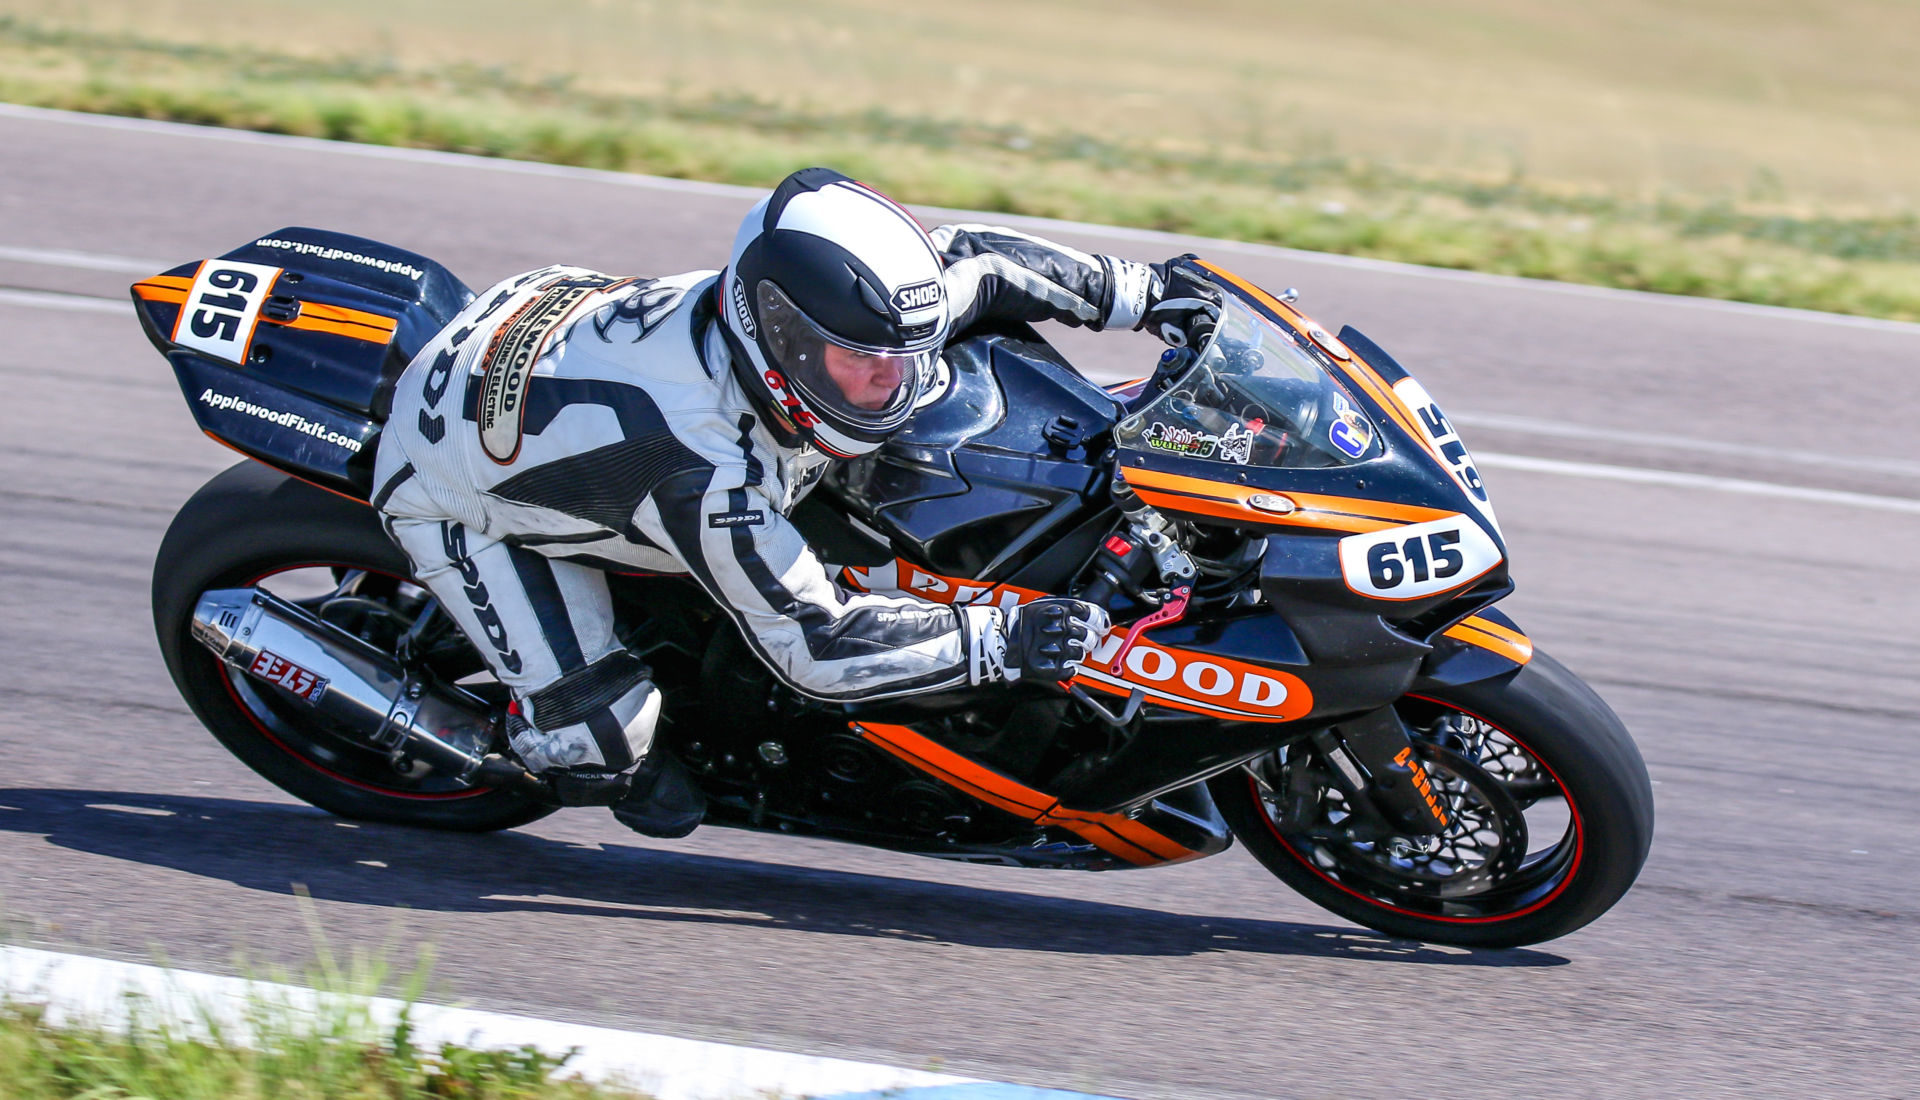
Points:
(867, 381)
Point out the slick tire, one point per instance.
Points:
(1565, 726)
(251, 522)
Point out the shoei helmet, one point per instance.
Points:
(834, 311)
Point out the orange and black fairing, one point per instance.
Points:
(1151, 834)
(287, 347)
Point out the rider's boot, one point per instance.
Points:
(662, 800)
(651, 794)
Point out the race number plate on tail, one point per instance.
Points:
(222, 308)
(1418, 559)
(1445, 442)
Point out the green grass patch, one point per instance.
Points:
(333, 1059)
(1754, 245)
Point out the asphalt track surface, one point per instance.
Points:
(1762, 648)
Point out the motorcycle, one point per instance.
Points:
(1298, 553)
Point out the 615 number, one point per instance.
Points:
(1389, 563)
(212, 320)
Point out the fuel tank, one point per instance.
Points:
(991, 479)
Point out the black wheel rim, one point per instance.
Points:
(1514, 843)
(378, 607)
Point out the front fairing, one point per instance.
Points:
(1390, 517)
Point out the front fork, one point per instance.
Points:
(1373, 763)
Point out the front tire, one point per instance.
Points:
(252, 523)
(1553, 817)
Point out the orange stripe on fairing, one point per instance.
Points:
(314, 316)
(1494, 638)
(174, 336)
(163, 288)
(1178, 493)
(1357, 371)
(1111, 833)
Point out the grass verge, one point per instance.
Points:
(1755, 248)
(328, 1059)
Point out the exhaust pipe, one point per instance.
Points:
(351, 685)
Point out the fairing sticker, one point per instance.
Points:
(1181, 679)
(222, 308)
(1419, 559)
(1445, 441)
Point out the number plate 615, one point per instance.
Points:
(1418, 560)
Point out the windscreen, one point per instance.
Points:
(1255, 397)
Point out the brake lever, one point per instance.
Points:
(1170, 612)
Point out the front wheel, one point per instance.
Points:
(1551, 808)
(254, 526)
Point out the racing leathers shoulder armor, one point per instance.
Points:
(569, 423)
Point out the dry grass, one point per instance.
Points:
(1759, 150)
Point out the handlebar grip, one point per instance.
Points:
(1099, 591)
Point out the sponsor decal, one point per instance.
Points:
(1199, 682)
(737, 519)
(1419, 559)
(1236, 443)
(1421, 783)
(222, 308)
(1190, 442)
(917, 296)
(510, 358)
(1350, 431)
(295, 421)
(1177, 678)
(1445, 442)
(796, 412)
(453, 539)
(275, 669)
(739, 296)
(323, 252)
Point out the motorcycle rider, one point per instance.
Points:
(568, 422)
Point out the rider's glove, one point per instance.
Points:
(1183, 305)
(1047, 639)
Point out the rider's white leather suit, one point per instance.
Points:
(636, 449)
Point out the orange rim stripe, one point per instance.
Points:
(1120, 836)
(1494, 638)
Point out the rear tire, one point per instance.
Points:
(1585, 758)
(252, 522)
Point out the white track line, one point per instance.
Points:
(1676, 479)
(78, 303)
(83, 989)
(1174, 241)
(90, 261)
(1490, 459)
(1526, 425)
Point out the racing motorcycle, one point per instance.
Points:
(1298, 553)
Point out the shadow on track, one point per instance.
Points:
(272, 847)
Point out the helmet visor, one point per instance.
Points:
(867, 387)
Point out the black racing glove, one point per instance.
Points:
(1183, 305)
(1048, 638)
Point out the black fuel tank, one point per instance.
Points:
(988, 480)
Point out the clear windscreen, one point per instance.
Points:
(1254, 397)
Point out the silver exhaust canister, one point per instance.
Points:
(350, 685)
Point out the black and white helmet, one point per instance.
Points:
(834, 310)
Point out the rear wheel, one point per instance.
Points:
(1551, 817)
(255, 526)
